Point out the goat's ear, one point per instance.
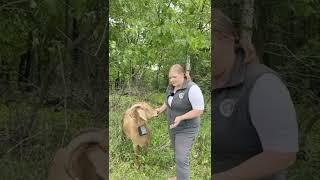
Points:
(98, 159)
(141, 113)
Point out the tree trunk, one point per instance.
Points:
(66, 28)
(259, 33)
(24, 70)
(34, 71)
(158, 78)
(247, 19)
(99, 87)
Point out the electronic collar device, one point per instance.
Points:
(142, 130)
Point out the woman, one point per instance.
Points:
(255, 127)
(183, 104)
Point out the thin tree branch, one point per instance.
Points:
(12, 3)
(65, 97)
(102, 39)
(25, 139)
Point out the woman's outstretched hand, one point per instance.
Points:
(161, 109)
(158, 111)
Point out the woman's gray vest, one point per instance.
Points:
(235, 139)
(180, 105)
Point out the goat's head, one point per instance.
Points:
(143, 111)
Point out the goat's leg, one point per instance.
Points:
(145, 148)
(135, 155)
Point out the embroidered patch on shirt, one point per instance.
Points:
(181, 95)
(226, 107)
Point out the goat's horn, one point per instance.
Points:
(90, 137)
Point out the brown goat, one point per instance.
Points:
(135, 117)
(84, 158)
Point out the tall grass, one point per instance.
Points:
(158, 162)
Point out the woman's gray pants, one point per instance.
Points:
(181, 141)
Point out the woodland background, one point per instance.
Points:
(53, 79)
